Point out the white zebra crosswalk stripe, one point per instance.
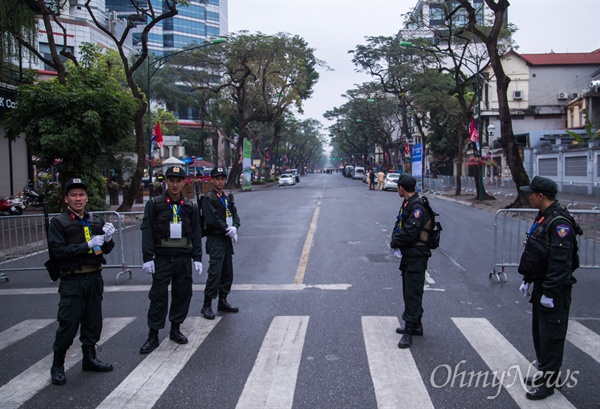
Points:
(504, 359)
(395, 375)
(149, 380)
(21, 330)
(272, 381)
(25, 385)
(585, 339)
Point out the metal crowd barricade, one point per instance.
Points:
(24, 247)
(512, 225)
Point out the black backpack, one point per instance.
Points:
(434, 236)
(199, 199)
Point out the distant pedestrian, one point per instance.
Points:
(371, 179)
(380, 179)
(78, 241)
(171, 244)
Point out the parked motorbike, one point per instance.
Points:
(10, 206)
(31, 197)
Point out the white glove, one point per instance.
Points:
(526, 288)
(231, 231)
(148, 267)
(198, 267)
(397, 254)
(96, 241)
(547, 302)
(234, 239)
(108, 230)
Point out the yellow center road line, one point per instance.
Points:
(301, 270)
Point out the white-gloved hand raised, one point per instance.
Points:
(547, 302)
(198, 267)
(526, 288)
(96, 241)
(108, 230)
(148, 267)
(231, 231)
(397, 254)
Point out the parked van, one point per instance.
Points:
(359, 172)
(348, 170)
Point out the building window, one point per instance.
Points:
(548, 167)
(576, 166)
(44, 49)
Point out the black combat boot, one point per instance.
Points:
(417, 330)
(91, 362)
(176, 335)
(57, 371)
(151, 343)
(224, 305)
(406, 339)
(542, 388)
(206, 310)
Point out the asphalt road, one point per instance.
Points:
(320, 298)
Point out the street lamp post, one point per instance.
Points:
(149, 76)
(478, 92)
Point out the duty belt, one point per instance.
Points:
(85, 268)
(177, 243)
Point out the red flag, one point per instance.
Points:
(157, 135)
(473, 133)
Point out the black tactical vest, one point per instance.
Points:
(163, 216)
(73, 232)
(534, 260)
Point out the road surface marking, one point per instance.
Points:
(25, 385)
(505, 361)
(395, 375)
(21, 330)
(196, 287)
(585, 339)
(149, 380)
(301, 270)
(272, 382)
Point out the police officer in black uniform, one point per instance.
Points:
(78, 240)
(547, 264)
(171, 240)
(409, 243)
(222, 222)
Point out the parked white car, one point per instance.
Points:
(287, 179)
(391, 181)
(358, 173)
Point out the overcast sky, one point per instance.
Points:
(333, 27)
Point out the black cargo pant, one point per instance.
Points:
(413, 282)
(176, 271)
(80, 305)
(220, 268)
(549, 328)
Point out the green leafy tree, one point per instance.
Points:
(17, 21)
(72, 124)
(253, 78)
(152, 12)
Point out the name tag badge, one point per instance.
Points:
(229, 221)
(175, 230)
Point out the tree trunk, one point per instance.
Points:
(459, 160)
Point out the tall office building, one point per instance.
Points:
(194, 23)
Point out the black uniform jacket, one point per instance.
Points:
(67, 242)
(408, 228)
